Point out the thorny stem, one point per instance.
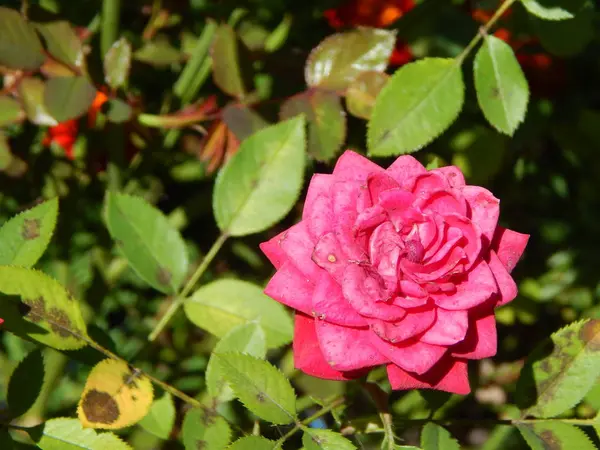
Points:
(380, 398)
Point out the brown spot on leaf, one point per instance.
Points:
(260, 397)
(495, 92)
(31, 229)
(552, 443)
(200, 445)
(100, 407)
(590, 334)
(163, 276)
(35, 309)
(60, 322)
(129, 379)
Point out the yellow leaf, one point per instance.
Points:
(115, 396)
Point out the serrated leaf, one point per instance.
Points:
(153, 247)
(10, 111)
(31, 92)
(246, 338)
(326, 121)
(220, 306)
(253, 443)
(115, 396)
(417, 104)
(20, 47)
(553, 9)
(68, 97)
(341, 57)
(160, 419)
(559, 373)
(225, 54)
(26, 383)
(24, 238)
(62, 42)
(262, 388)
(555, 435)
(363, 91)
(260, 184)
(68, 434)
(48, 313)
(317, 439)
(434, 437)
(501, 86)
(117, 63)
(205, 430)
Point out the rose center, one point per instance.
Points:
(414, 250)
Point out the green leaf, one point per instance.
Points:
(205, 430)
(419, 102)
(261, 183)
(317, 439)
(434, 437)
(362, 93)
(67, 434)
(10, 111)
(160, 419)
(31, 91)
(20, 47)
(158, 52)
(326, 121)
(227, 71)
(48, 313)
(253, 443)
(26, 383)
(220, 306)
(117, 64)
(68, 97)
(341, 57)
(154, 248)
(118, 111)
(24, 238)
(553, 9)
(555, 435)
(62, 42)
(502, 89)
(560, 372)
(261, 387)
(247, 338)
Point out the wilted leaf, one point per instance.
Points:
(160, 419)
(341, 57)
(68, 97)
(225, 54)
(68, 434)
(326, 121)
(24, 237)
(362, 93)
(20, 47)
(201, 430)
(114, 396)
(501, 86)
(31, 91)
(220, 306)
(315, 439)
(434, 437)
(553, 9)
(154, 248)
(62, 42)
(417, 104)
(10, 111)
(555, 435)
(262, 388)
(26, 383)
(117, 63)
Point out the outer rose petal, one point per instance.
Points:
(448, 375)
(449, 328)
(508, 287)
(307, 352)
(319, 217)
(481, 340)
(320, 185)
(485, 209)
(352, 166)
(453, 174)
(329, 255)
(509, 245)
(413, 356)
(347, 348)
(290, 287)
(298, 246)
(273, 251)
(478, 286)
(328, 303)
(428, 182)
(378, 183)
(405, 169)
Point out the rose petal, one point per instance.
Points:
(320, 185)
(273, 250)
(398, 204)
(348, 199)
(476, 287)
(378, 183)
(448, 375)
(427, 182)
(506, 284)
(485, 209)
(352, 166)
(453, 174)
(290, 287)
(328, 303)
(347, 348)
(481, 340)
(298, 246)
(472, 234)
(411, 295)
(413, 355)
(416, 321)
(442, 202)
(369, 218)
(449, 328)
(405, 169)
(319, 217)
(329, 255)
(307, 352)
(509, 245)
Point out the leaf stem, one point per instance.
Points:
(111, 10)
(178, 302)
(380, 398)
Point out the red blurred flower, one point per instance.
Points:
(373, 13)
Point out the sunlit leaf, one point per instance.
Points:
(117, 63)
(20, 47)
(253, 443)
(362, 93)
(68, 97)
(62, 42)
(316, 439)
(553, 9)
(26, 383)
(435, 437)
(68, 434)
(551, 435)
(160, 419)
(31, 91)
(203, 430)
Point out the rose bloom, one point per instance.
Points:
(402, 267)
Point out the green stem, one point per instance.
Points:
(178, 302)
(110, 24)
(484, 30)
(380, 399)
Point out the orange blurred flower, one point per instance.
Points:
(373, 13)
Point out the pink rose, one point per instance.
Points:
(402, 267)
